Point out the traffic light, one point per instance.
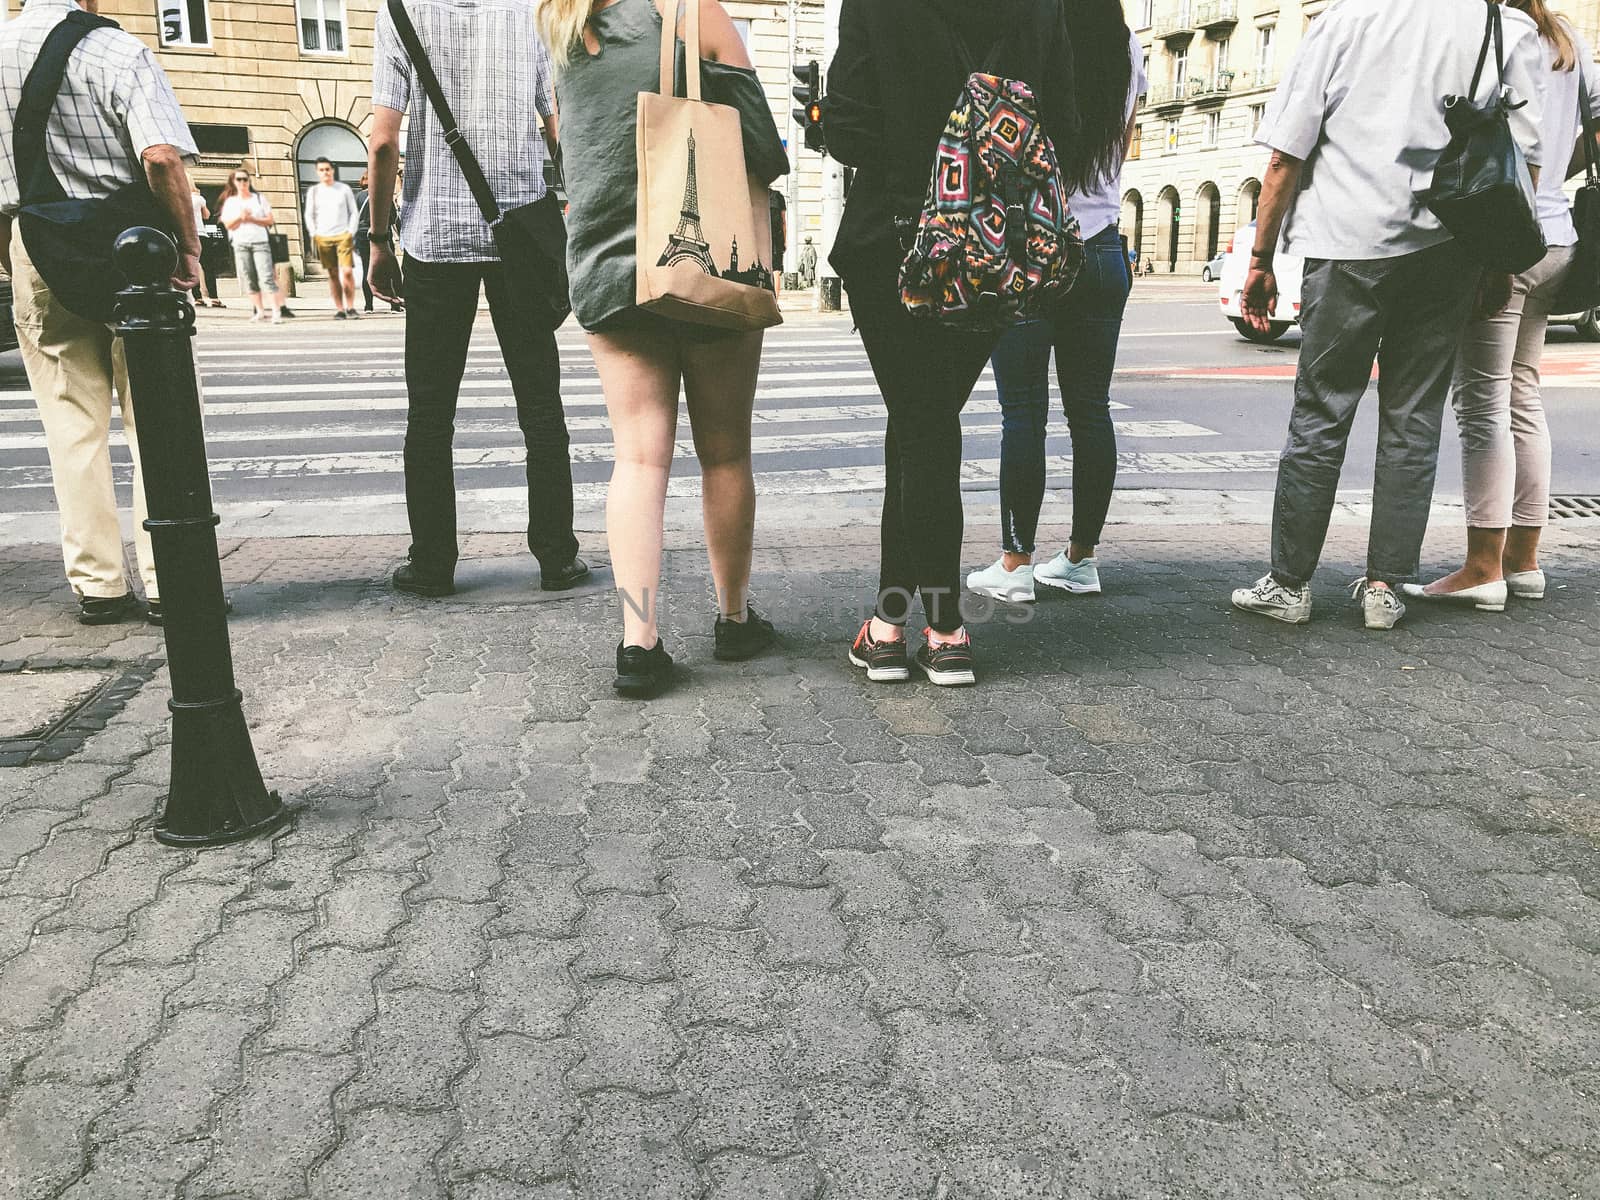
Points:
(809, 115)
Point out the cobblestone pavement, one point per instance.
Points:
(1178, 903)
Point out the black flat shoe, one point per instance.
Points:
(417, 583)
(739, 640)
(642, 672)
(561, 579)
(107, 610)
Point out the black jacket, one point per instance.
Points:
(897, 76)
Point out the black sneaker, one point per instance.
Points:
(419, 583)
(352, 314)
(107, 610)
(642, 672)
(285, 311)
(947, 665)
(341, 315)
(561, 579)
(884, 662)
(739, 640)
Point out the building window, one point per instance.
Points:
(185, 23)
(1258, 117)
(1147, 13)
(742, 24)
(1221, 68)
(1136, 148)
(321, 26)
(1213, 128)
(1264, 49)
(1180, 73)
(1172, 137)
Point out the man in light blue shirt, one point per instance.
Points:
(1356, 129)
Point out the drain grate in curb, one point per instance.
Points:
(1571, 507)
(61, 707)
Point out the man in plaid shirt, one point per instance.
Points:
(114, 119)
(496, 75)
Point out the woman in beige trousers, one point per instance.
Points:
(1505, 440)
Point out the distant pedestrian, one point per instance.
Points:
(115, 120)
(1505, 439)
(451, 255)
(210, 234)
(778, 221)
(1083, 329)
(607, 54)
(1384, 281)
(247, 216)
(363, 242)
(331, 217)
(900, 69)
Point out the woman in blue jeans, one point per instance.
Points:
(1082, 329)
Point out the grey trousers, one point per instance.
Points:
(1408, 315)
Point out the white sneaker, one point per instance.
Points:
(1079, 578)
(1271, 599)
(257, 315)
(1011, 586)
(1526, 585)
(1486, 597)
(1380, 607)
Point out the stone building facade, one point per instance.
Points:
(1194, 176)
(276, 83)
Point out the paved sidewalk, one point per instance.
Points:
(1177, 904)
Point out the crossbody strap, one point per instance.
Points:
(465, 159)
(39, 184)
(1493, 34)
(1591, 128)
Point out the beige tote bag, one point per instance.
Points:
(703, 240)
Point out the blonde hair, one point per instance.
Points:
(1553, 29)
(560, 24)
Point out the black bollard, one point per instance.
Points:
(217, 794)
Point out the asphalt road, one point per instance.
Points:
(313, 413)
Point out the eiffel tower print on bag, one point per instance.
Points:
(996, 240)
(702, 221)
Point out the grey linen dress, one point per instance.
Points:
(597, 98)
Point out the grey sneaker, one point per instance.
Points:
(1079, 578)
(1380, 607)
(1271, 599)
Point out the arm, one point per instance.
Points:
(719, 38)
(852, 112)
(1278, 188)
(383, 163)
(264, 218)
(169, 180)
(5, 242)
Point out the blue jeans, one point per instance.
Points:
(1083, 330)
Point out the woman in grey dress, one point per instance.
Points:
(605, 55)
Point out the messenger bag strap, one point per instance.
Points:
(1493, 35)
(465, 159)
(1591, 128)
(37, 182)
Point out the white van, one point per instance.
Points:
(1291, 273)
(1290, 270)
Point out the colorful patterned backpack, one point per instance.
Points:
(996, 240)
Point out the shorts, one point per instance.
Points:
(336, 252)
(252, 261)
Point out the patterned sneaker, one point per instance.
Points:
(884, 662)
(1079, 578)
(1380, 607)
(1271, 599)
(949, 664)
(1011, 586)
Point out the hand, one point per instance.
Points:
(383, 275)
(187, 276)
(1494, 293)
(1260, 299)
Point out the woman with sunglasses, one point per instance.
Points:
(248, 218)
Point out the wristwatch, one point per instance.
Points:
(381, 239)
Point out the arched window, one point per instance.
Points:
(339, 144)
(1208, 227)
(1133, 220)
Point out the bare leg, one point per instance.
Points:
(347, 279)
(1485, 549)
(720, 383)
(1522, 548)
(639, 373)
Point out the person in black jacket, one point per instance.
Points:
(898, 74)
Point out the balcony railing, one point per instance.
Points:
(1216, 15)
(1217, 88)
(1175, 21)
(1167, 95)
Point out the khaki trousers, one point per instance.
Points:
(73, 367)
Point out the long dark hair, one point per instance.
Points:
(1102, 70)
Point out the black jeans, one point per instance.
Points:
(925, 372)
(1408, 314)
(363, 250)
(441, 306)
(1083, 330)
